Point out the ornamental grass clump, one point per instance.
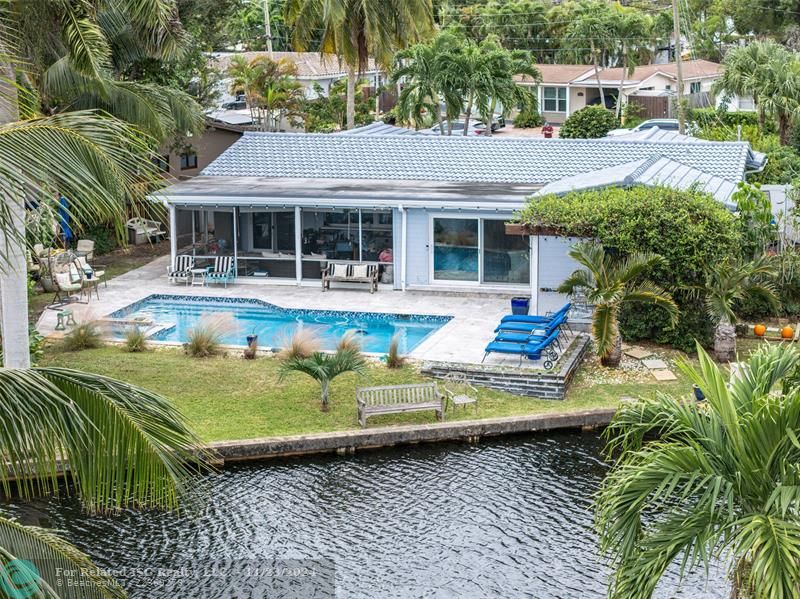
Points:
(135, 340)
(206, 337)
(394, 359)
(86, 335)
(302, 344)
(324, 367)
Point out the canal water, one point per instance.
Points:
(504, 518)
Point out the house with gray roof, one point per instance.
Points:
(430, 211)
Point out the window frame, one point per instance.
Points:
(558, 91)
(185, 162)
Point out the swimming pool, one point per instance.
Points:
(173, 315)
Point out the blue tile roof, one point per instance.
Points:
(457, 159)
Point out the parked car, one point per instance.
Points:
(475, 128)
(235, 105)
(663, 124)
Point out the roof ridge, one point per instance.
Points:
(642, 168)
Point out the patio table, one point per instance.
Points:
(198, 276)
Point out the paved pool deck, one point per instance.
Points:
(461, 340)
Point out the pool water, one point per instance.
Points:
(176, 315)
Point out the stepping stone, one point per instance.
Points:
(664, 375)
(655, 364)
(638, 353)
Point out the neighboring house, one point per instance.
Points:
(430, 211)
(312, 68)
(566, 88)
(195, 153)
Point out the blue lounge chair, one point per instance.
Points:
(536, 318)
(532, 327)
(532, 351)
(222, 271)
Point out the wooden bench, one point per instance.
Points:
(396, 399)
(350, 273)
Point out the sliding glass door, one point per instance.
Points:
(456, 249)
(477, 250)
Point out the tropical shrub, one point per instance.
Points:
(692, 482)
(711, 117)
(589, 122)
(104, 237)
(135, 340)
(689, 229)
(528, 118)
(86, 335)
(205, 339)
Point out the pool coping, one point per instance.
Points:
(349, 441)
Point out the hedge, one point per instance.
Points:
(689, 229)
(588, 123)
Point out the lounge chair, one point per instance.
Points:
(181, 270)
(536, 318)
(221, 272)
(532, 351)
(531, 327)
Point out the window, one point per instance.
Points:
(506, 258)
(694, 87)
(262, 230)
(162, 163)
(455, 249)
(188, 161)
(555, 99)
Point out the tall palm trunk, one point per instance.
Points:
(439, 118)
(352, 77)
(468, 113)
(622, 81)
(13, 274)
(784, 127)
(725, 342)
(597, 76)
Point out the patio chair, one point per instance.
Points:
(181, 270)
(85, 248)
(89, 283)
(222, 271)
(92, 271)
(65, 283)
(459, 392)
(532, 351)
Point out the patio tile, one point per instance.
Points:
(664, 375)
(638, 353)
(655, 364)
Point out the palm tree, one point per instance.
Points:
(323, 368)
(727, 284)
(608, 283)
(245, 76)
(354, 30)
(633, 29)
(744, 70)
(79, 56)
(698, 482)
(592, 31)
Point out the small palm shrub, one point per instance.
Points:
(135, 340)
(323, 368)
(302, 344)
(86, 335)
(394, 359)
(205, 339)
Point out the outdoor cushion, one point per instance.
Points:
(360, 271)
(340, 270)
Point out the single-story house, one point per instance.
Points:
(566, 88)
(198, 151)
(429, 211)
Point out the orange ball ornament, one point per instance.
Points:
(787, 332)
(760, 330)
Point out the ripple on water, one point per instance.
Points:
(508, 518)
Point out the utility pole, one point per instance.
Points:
(676, 27)
(268, 28)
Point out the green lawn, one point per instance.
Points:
(230, 398)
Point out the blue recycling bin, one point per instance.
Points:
(520, 305)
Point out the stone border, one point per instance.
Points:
(519, 381)
(345, 442)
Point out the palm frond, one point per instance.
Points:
(89, 52)
(140, 451)
(650, 293)
(49, 567)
